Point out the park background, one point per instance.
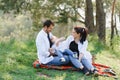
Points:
(21, 20)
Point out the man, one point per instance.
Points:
(44, 43)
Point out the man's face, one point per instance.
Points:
(49, 29)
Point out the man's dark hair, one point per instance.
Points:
(48, 23)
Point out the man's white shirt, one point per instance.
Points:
(43, 46)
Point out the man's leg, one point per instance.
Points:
(59, 53)
(56, 61)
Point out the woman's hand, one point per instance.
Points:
(80, 56)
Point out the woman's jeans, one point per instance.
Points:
(68, 55)
(84, 62)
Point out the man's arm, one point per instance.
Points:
(41, 47)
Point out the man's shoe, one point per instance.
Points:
(62, 59)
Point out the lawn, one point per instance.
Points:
(16, 58)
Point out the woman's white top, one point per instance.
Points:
(81, 47)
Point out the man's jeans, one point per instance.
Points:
(56, 61)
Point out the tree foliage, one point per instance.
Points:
(60, 11)
(15, 5)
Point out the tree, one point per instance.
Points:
(13, 5)
(89, 19)
(112, 23)
(100, 20)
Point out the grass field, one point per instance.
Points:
(16, 58)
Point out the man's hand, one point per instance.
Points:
(52, 51)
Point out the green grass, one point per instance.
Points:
(16, 58)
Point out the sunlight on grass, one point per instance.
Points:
(17, 56)
(59, 77)
(109, 60)
(9, 63)
(7, 76)
(22, 66)
(20, 45)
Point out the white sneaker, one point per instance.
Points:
(62, 59)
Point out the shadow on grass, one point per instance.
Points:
(64, 75)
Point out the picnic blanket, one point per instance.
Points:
(103, 70)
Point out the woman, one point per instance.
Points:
(77, 44)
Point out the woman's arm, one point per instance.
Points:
(80, 56)
(83, 47)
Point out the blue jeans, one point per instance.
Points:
(59, 53)
(69, 52)
(86, 63)
(56, 61)
(76, 62)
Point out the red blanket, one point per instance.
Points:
(103, 70)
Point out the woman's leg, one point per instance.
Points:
(85, 70)
(73, 60)
(87, 64)
(56, 61)
(69, 52)
(76, 62)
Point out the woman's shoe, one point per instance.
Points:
(87, 73)
(95, 73)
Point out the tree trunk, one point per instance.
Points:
(119, 16)
(89, 19)
(116, 27)
(112, 24)
(100, 20)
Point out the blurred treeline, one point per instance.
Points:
(23, 18)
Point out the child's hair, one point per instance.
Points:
(83, 33)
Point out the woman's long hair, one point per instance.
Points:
(83, 33)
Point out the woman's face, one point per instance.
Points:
(75, 34)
